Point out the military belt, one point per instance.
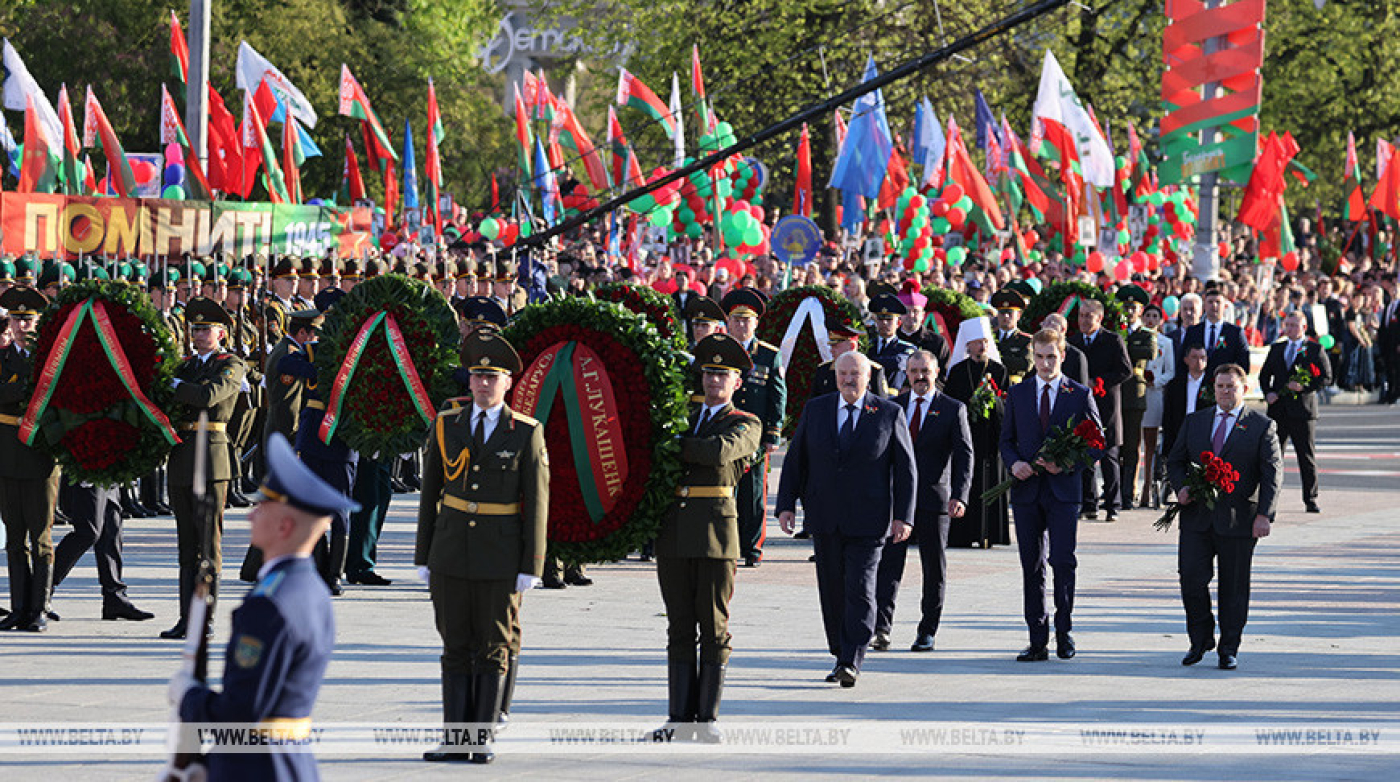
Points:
(316, 404)
(482, 508)
(287, 728)
(705, 491)
(211, 426)
(9, 420)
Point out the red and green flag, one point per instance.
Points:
(1355, 208)
(985, 212)
(802, 192)
(255, 137)
(565, 128)
(355, 103)
(352, 184)
(119, 173)
(633, 93)
(522, 136)
(432, 162)
(617, 144)
(293, 156)
(179, 54)
(37, 172)
(697, 91)
(172, 131)
(71, 172)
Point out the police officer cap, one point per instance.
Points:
(1008, 299)
(1129, 293)
(1023, 287)
(307, 319)
(484, 350)
(838, 330)
(23, 302)
(743, 302)
(880, 288)
(328, 298)
(703, 308)
(200, 311)
(721, 352)
(887, 304)
(482, 310)
(291, 482)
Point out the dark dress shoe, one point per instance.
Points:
(1089, 515)
(554, 583)
(831, 677)
(34, 623)
(578, 581)
(1312, 507)
(1033, 654)
(336, 589)
(176, 633)
(447, 754)
(53, 616)
(802, 534)
(846, 676)
(11, 621)
(1111, 517)
(1064, 646)
(482, 758)
(1227, 662)
(237, 500)
(163, 509)
(4, 612)
(924, 643)
(751, 561)
(368, 578)
(126, 611)
(1195, 654)
(881, 642)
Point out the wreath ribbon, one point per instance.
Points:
(403, 360)
(809, 311)
(58, 359)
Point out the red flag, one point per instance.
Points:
(896, 179)
(391, 192)
(290, 169)
(179, 53)
(617, 143)
(119, 173)
(495, 194)
(962, 171)
(1355, 208)
(225, 147)
(522, 135)
(1266, 183)
(354, 181)
(802, 194)
(432, 164)
(71, 148)
(1386, 196)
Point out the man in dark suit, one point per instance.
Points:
(1109, 366)
(942, 440)
(1225, 342)
(1293, 404)
(852, 464)
(1229, 531)
(1045, 498)
(1075, 366)
(1186, 393)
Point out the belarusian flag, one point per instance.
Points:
(37, 172)
(293, 156)
(172, 131)
(802, 192)
(522, 135)
(432, 162)
(179, 54)
(119, 173)
(89, 180)
(352, 184)
(697, 91)
(1386, 197)
(1259, 204)
(985, 212)
(1355, 208)
(565, 127)
(1141, 168)
(255, 137)
(355, 103)
(632, 92)
(617, 144)
(71, 172)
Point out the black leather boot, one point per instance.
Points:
(456, 695)
(19, 593)
(131, 509)
(486, 709)
(683, 698)
(707, 709)
(162, 495)
(40, 590)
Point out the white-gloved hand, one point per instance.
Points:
(245, 387)
(524, 582)
(423, 573)
(182, 682)
(175, 383)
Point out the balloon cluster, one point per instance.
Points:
(658, 206)
(743, 229)
(499, 228)
(699, 191)
(173, 178)
(914, 232)
(951, 209)
(748, 181)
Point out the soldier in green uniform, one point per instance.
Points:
(699, 540)
(28, 477)
(705, 317)
(1142, 350)
(278, 306)
(207, 381)
(244, 344)
(481, 540)
(763, 393)
(1014, 344)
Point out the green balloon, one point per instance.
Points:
(1326, 341)
(527, 228)
(489, 228)
(659, 218)
(940, 225)
(956, 256)
(694, 231)
(173, 192)
(753, 237)
(1124, 237)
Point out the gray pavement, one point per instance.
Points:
(1320, 652)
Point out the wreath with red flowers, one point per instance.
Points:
(646, 374)
(378, 414)
(1056, 295)
(92, 423)
(656, 307)
(952, 308)
(801, 367)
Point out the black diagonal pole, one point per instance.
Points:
(999, 27)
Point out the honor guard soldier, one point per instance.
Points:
(763, 393)
(209, 382)
(308, 280)
(28, 477)
(1142, 350)
(329, 272)
(481, 541)
(844, 338)
(278, 306)
(705, 317)
(699, 541)
(1013, 344)
(282, 634)
(243, 342)
(887, 349)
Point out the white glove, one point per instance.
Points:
(423, 573)
(182, 682)
(175, 383)
(524, 582)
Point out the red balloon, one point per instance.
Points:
(916, 201)
(920, 242)
(956, 217)
(939, 208)
(1122, 271)
(1007, 254)
(1289, 261)
(1153, 263)
(1031, 237)
(1139, 261)
(1224, 249)
(953, 193)
(940, 254)
(1094, 262)
(935, 241)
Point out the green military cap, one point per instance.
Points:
(422, 271)
(1008, 299)
(1023, 287)
(25, 270)
(7, 270)
(1129, 293)
(744, 302)
(202, 312)
(23, 301)
(887, 305)
(308, 319)
(702, 309)
(195, 271)
(485, 270)
(92, 271)
(722, 353)
(139, 270)
(484, 350)
(838, 330)
(239, 279)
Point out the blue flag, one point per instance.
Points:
(410, 169)
(865, 157)
(545, 183)
(928, 142)
(308, 146)
(986, 123)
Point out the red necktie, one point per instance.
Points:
(917, 419)
(1045, 408)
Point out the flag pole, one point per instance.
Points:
(197, 81)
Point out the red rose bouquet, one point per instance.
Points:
(1206, 482)
(1304, 373)
(1064, 447)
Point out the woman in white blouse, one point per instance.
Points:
(1159, 372)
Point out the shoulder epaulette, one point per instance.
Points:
(524, 419)
(456, 405)
(223, 356)
(768, 345)
(268, 586)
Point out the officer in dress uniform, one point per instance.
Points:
(28, 477)
(243, 342)
(282, 634)
(698, 545)
(1142, 350)
(844, 338)
(1013, 344)
(279, 305)
(481, 540)
(705, 317)
(763, 393)
(887, 349)
(207, 381)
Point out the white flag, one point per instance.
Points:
(1056, 101)
(676, 114)
(253, 68)
(20, 87)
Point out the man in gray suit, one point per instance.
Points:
(851, 462)
(1247, 440)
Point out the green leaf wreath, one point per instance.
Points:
(952, 308)
(805, 356)
(1062, 294)
(654, 306)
